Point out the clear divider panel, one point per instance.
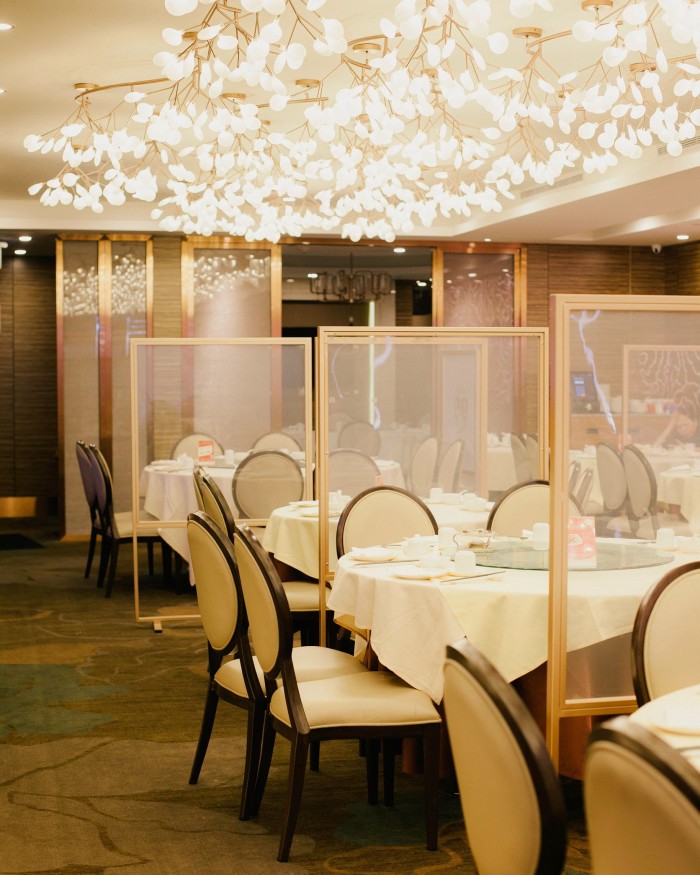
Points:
(239, 409)
(633, 375)
(431, 411)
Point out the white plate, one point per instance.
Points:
(160, 463)
(373, 554)
(303, 504)
(684, 719)
(421, 573)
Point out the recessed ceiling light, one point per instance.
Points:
(487, 239)
(449, 282)
(682, 236)
(2, 90)
(290, 279)
(24, 238)
(305, 243)
(505, 270)
(421, 283)
(5, 26)
(20, 251)
(472, 275)
(312, 276)
(399, 250)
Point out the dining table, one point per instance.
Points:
(292, 531)
(675, 718)
(503, 611)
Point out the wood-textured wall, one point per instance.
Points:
(599, 270)
(28, 424)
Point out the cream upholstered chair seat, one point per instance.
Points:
(238, 681)
(666, 637)
(311, 663)
(421, 474)
(642, 801)
(265, 480)
(509, 790)
(276, 440)
(523, 505)
(382, 515)
(369, 705)
(375, 697)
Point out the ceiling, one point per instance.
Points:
(58, 43)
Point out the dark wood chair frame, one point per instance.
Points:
(641, 622)
(340, 531)
(650, 510)
(255, 704)
(85, 465)
(302, 737)
(527, 736)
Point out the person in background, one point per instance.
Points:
(682, 427)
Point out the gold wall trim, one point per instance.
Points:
(60, 389)
(104, 297)
(20, 506)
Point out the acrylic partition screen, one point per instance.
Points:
(211, 403)
(392, 405)
(627, 390)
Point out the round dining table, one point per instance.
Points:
(291, 534)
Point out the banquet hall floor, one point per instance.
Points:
(100, 717)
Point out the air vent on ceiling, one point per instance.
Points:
(690, 143)
(543, 189)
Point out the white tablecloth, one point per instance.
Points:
(500, 469)
(293, 538)
(169, 492)
(681, 487)
(505, 616)
(658, 714)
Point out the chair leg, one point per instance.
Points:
(105, 552)
(314, 755)
(210, 706)
(431, 770)
(91, 551)
(114, 555)
(389, 751)
(167, 556)
(372, 764)
(297, 769)
(268, 746)
(253, 755)
(149, 548)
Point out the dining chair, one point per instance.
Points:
(574, 475)
(189, 444)
(197, 474)
(521, 459)
(642, 803)
(382, 515)
(509, 790)
(665, 637)
(450, 466)
(116, 527)
(613, 487)
(276, 440)
(369, 705)
(351, 471)
(583, 489)
(359, 435)
(523, 505)
(641, 492)
(264, 480)
(239, 680)
(302, 594)
(87, 478)
(421, 473)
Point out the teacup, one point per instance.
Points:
(465, 561)
(417, 546)
(229, 457)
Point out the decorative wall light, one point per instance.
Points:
(267, 119)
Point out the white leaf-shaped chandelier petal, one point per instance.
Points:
(271, 118)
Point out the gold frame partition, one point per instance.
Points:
(104, 321)
(150, 527)
(558, 706)
(425, 335)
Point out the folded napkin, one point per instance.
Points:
(372, 554)
(683, 718)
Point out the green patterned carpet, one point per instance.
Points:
(99, 721)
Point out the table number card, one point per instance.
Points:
(582, 544)
(205, 452)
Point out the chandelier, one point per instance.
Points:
(271, 118)
(352, 286)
